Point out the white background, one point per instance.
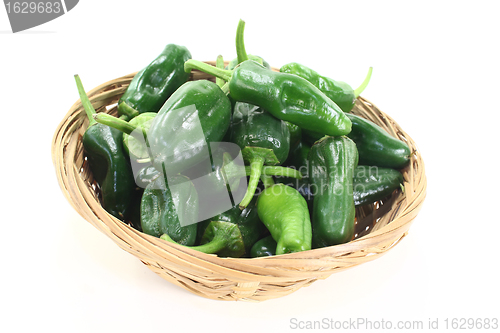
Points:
(436, 71)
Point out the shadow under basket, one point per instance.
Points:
(379, 226)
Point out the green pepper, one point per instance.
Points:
(339, 92)
(286, 96)
(284, 212)
(153, 85)
(247, 220)
(373, 183)
(370, 183)
(375, 146)
(233, 63)
(174, 213)
(264, 247)
(263, 139)
(223, 238)
(332, 161)
(176, 140)
(108, 162)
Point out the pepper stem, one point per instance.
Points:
(215, 245)
(206, 68)
(127, 110)
(240, 43)
(121, 125)
(87, 105)
(363, 85)
(225, 88)
(271, 170)
(256, 165)
(268, 181)
(220, 64)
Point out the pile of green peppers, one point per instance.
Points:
(308, 161)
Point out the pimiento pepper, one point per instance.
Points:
(332, 161)
(284, 212)
(174, 213)
(263, 139)
(247, 220)
(375, 146)
(175, 138)
(223, 238)
(108, 161)
(373, 183)
(339, 92)
(153, 85)
(286, 96)
(233, 63)
(264, 247)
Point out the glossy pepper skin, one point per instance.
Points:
(159, 214)
(153, 85)
(108, 162)
(332, 163)
(284, 212)
(233, 63)
(374, 183)
(263, 139)
(247, 220)
(286, 96)
(146, 175)
(264, 247)
(376, 146)
(177, 124)
(339, 92)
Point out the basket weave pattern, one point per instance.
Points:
(379, 227)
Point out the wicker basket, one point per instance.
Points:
(379, 227)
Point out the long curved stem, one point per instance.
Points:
(206, 68)
(363, 85)
(240, 42)
(271, 170)
(87, 105)
(215, 245)
(268, 181)
(256, 165)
